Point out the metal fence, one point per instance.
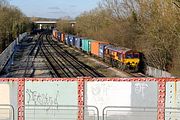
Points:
(172, 114)
(6, 112)
(70, 112)
(129, 113)
(59, 112)
(7, 53)
(138, 113)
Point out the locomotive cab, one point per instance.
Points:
(131, 59)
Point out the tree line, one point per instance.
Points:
(150, 26)
(12, 23)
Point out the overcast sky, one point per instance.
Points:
(54, 8)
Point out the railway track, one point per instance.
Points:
(63, 63)
(30, 59)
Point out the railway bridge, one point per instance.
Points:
(53, 23)
(90, 98)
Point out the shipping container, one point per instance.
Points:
(95, 45)
(78, 42)
(86, 45)
(72, 40)
(55, 33)
(59, 36)
(63, 37)
(102, 50)
(67, 39)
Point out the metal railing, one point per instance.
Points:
(172, 114)
(8, 52)
(59, 112)
(129, 113)
(6, 112)
(138, 113)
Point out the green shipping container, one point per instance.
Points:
(86, 45)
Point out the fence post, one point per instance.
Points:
(21, 97)
(161, 99)
(80, 98)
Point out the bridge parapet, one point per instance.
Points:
(83, 88)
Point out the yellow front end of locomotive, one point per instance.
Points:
(133, 62)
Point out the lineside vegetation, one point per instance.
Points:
(12, 23)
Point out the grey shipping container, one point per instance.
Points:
(78, 42)
(101, 50)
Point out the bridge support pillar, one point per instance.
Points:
(40, 26)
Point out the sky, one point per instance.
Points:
(54, 8)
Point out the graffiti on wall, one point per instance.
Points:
(36, 98)
(51, 93)
(140, 88)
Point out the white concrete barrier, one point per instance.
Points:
(154, 72)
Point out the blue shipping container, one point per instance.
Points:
(59, 36)
(72, 40)
(67, 39)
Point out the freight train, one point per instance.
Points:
(120, 57)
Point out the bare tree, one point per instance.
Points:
(12, 22)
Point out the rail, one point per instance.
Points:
(52, 60)
(73, 72)
(80, 68)
(28, 64)
(62, 63)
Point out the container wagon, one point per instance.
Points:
(95, 46)
(78, 43)
(72, 40)
(67, 39)
(86, 45)
(55, 34)
(62, 37)
(59, 36)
